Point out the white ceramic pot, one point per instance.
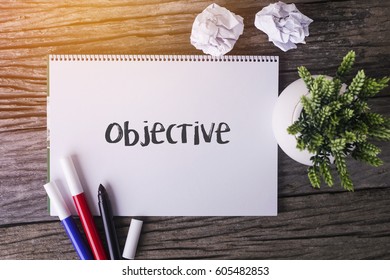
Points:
(287, 109)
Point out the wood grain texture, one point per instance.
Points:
(315, 226)
(320, 224)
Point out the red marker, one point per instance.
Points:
(80, 202)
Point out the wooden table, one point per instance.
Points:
(329, 223)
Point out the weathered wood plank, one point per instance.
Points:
(22, 175)
(322, 226)
(23, 170)
(166, 29)
(30, 31)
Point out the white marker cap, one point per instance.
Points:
(57, 200)
(132, 239)
(71, 176)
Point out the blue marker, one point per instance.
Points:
(67, 221)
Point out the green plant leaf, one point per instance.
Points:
(346, 64)
(357, 83)
(367, 152)
(379, 132)
(346, 182)
(314, 177)
(307, 106)
(374, 119)
(295, 128)
(338, 144)
(372, 87)
(326, 174)
(305, 75)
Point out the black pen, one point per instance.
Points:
(108, 223)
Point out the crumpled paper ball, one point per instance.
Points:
(216, 30)
(284, 24)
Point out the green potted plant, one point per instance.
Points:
(335, 124)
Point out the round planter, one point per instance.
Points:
(287, 110)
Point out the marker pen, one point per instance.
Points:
(83, 210)
(67, 221)
(108, 223)
(132, 239)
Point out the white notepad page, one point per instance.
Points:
(189, 167)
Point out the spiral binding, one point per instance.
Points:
(194, 58)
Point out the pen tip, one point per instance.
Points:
(101, 189)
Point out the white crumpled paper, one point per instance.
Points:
(284, 24)
(216, 30)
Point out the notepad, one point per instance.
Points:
(166, 135)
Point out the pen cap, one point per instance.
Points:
(57, 200)
(132, 239)
(71, 176)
